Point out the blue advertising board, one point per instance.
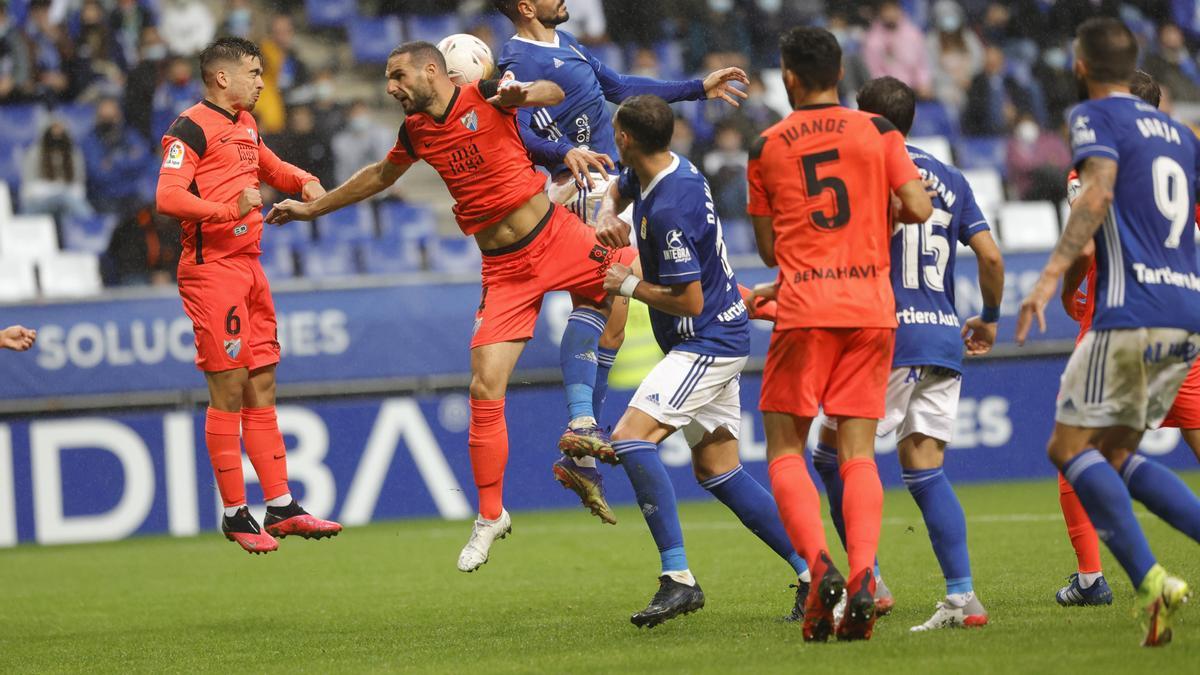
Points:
(89, 477)
(405, 331)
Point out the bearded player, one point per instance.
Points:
(530, 246)
(213, 161)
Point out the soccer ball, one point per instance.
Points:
(467, 58)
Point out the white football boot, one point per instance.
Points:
(970, 614)
(483, 533)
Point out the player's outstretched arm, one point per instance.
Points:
(17, 338)
(686, 300)
(610, 229)
(979, 332)
(513, 94)
(1098, 175)
(764, 237)
(369, 181)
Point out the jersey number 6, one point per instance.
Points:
(815, 186)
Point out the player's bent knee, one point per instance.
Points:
(484, 388)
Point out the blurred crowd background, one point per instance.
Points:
(87, 87)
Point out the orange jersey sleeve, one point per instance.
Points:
(279, 174)
(174, 196)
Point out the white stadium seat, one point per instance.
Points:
(70, 274)
(988, 189)
(5, 202)
(17, 280)
(1028, 226)
(938, 148)
(28, 237)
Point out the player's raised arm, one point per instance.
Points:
(513, 94)
(618, 87)
(285, 177)
(610, 229)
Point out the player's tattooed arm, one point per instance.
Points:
(1098, 175)
(764, 236)
(610, 229)
(367, 182)
(686, 300)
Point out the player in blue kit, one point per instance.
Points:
(1124, 375)
(700, 322)
(574, 142)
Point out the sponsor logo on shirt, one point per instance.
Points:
(735, 310)
(848, 272)
(240, 230)
(253, 136)
(676, 251)
(174, 158)
(912, 315)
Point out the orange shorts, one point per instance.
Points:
(233, 315)
(560, 254)
(843, 371)
(1185, 412)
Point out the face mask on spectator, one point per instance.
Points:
(1027, 132)
(770, 6)
(154, 52)
(359, 123)
(720, 6)
(1055, 58)
(949, 23)
(323, 91)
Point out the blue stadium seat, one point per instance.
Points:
(373, 38)
(89, 235)
(10, 166)
(278, 261)
(933, 119)
(352, 223)
(457, 255)
(295, 233)
(392, 256)
(400, 220)
(335, 259)
(610, 55)
(19, 124)
(739, 237)
(329, 13)
(79, 118)
(670, 59)
(432, 28)
(983, 152)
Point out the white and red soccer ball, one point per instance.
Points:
(467, 58)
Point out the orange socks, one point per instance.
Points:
(799, 506)
(222, 435)
(267, 452)
(862, 509)
(487, 442)
(1079, 528)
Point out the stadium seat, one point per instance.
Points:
(278, 261)
(373, 38)
(19, 124)
(982, 152)
(1028, 226)
(89, 235)
(10, 167)
(610, 55)
(79, 118)
(70, 274)
(739, 237)
(28, 237)
(404, 220)
(329, 13)
(329, 259)
(458, 255)
(938, 147)
(18, 280)
(988, 189)
(352, 223)
(6, 205)
(393, 256)
(933, 119)
(432, 28)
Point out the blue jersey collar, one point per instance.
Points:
(661, 174)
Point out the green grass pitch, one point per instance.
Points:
(556, 597)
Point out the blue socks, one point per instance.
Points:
(605, 359)
(1107, 503)
(755, 507)
(577, 356)
(825, 461)
(656, 498)
(1161, 491)
(946, 524)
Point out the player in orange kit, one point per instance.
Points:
(821, 189)
(213, 160)
(530, 247)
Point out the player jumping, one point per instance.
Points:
(821, 184)
(574, 141)
(213, 160)
(699, 321)
(530, 246)
(1124, 375)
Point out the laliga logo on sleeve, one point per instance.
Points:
(174, 158)
(470, 121)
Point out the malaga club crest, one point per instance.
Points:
(233, 347)
(470, 121)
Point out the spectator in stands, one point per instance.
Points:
(239, 19)
(302, 145)
(855, 73)
(1058, 84)
(711, 27)
(187, 26)
(588, 23)
(143, 83)
(1022, 34)
(683, 139)
(178, 91)
(769, 18)
(17, 338)
(994, 98)
(91, 64)
(15, 74)
(1066, 15)
(321, 95)
(895, 46)
(359, 143)
(754, 114)
(144, 248)
(638, 22)
(284, 71)
(53, 176)
(1172, 66)
(955, 52)
(1037, 161)
(127, 21)
(725, 168)
(47, 43)
(116, 157)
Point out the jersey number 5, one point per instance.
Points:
(816, 185)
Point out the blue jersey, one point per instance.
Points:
(923, 269)
(1146, 274)
(582, 120)
(679, 240)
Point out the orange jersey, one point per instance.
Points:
(209, 157)
(824, 175)
(477, 150)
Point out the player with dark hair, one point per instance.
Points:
(213, 161)
(568, 139)
(700, 322)
(530, 246)
(1125, 373)
(828, 228)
